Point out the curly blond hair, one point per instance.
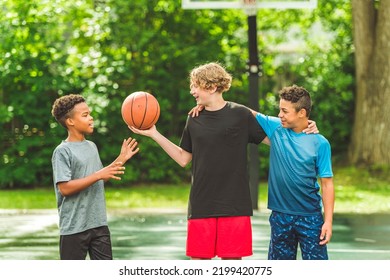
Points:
(211, 75)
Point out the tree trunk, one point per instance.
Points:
(371, 132)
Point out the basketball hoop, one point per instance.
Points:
(249, 7)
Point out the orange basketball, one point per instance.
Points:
(141, 110)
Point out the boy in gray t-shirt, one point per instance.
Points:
(79, 176)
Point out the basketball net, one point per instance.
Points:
(249, 7)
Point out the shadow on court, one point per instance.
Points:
(161, 235)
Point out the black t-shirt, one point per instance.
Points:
(218, 143)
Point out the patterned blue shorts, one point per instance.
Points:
(287, 231)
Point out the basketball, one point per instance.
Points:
(140, 110)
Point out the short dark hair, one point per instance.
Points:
(299, 96)
(63, 106)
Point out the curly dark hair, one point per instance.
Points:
(63, 106)
(299, 96)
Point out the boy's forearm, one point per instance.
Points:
(175, 152)
(77, 185)
(328, 198)
(120, 159)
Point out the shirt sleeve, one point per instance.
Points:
(61, 166)
(256, 132)
(324, 160)
(185, 142)
(269, 124)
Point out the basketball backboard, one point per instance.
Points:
(239, 4)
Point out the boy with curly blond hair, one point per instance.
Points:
(219, 208)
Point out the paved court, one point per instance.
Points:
(160, 234)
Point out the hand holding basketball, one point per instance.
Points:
(140, 110)
(145, 132)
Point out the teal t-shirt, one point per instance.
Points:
(297, 160)
(86, 209)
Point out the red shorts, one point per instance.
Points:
(225, 237)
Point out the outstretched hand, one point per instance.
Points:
(196, 110)
(129, 149)
(111, 171)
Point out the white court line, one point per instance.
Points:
(359, 251)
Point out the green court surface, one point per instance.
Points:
(159, 234)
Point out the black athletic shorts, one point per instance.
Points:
(96, 242)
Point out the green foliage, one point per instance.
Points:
(362, 190)
(29, 80)
(328, 71)
(105, 51)
(153, 196)
(108, 49)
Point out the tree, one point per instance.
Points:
(103, 50)
(371, 130)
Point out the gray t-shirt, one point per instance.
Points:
(86, 209)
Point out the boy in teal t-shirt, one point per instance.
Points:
(297, 160)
